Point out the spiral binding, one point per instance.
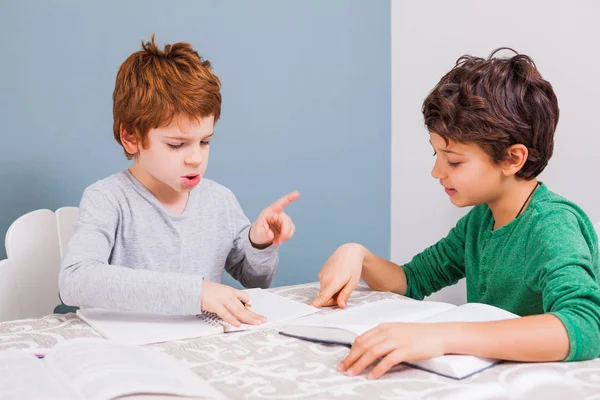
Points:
(211, 319)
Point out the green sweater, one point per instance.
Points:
(544, 261)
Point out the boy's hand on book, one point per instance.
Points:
(273, 226)
(340, 275)
(393, 343)
(226, 302)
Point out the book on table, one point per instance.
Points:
(343, 326)
(98, 369)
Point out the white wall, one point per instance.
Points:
(428, 36)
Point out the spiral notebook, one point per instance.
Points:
(141, 328)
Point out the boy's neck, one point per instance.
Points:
(515, 196)
(172, 200)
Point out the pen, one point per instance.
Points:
(39, 353)
(246, 305)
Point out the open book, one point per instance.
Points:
(98, 369)
(343, 326)
(140, 328)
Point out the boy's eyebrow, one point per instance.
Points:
(183, 137)
(450, 151)
(446, 151)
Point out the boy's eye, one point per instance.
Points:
(175, 146)
(453, 164)
(435, 153)
(205, 142)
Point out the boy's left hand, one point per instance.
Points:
(273, 226)
(394, 343)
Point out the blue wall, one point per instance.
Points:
(306, 89)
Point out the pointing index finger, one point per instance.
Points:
(283, 202)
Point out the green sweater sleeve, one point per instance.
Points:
(438, 266)
(562, 263)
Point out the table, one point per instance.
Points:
(267, 365)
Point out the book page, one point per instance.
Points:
(454, 365)
(360, 319)
(461, 366)
(277, 309)
(471, 312)
(23, 376)
(142, 328)
(101, 369)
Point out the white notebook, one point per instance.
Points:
(344, 326)
(141, 328)
(97, 369)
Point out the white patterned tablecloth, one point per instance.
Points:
(267, 365)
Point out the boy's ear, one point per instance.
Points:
(129, 140)
(516, 156)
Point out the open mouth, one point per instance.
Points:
(191, 180)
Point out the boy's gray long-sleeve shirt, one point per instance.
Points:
(129, 253)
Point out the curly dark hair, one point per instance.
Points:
(496, 103)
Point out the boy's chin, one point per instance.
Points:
(459, 202)
(179, 187)
(185, 189)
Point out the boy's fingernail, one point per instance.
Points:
(340, 367)
(350, 372)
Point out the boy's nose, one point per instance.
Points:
(194, 158)
(436, 171)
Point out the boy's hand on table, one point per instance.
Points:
(226, 302)
(340, 275)
(393, 343)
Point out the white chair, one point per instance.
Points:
(66, 218)
(34, 244)
(10, 304)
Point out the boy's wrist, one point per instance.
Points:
(258, 246)
(453, 336)
(366, 258)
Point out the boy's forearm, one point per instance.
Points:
(253, 267)
(383, 275)
(258, 271)
(537, 338)
(94, 284)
